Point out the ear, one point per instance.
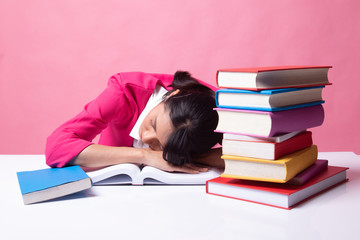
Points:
(174, 92)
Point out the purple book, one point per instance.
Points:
(269, 124)
(309, 173)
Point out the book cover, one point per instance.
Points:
(309, 172)
(267, 150)
(259, 78)
(284, 196)
(272, 68)
(269, 124)
(269, 100)
(272, 109)
(45, 184)
(280, 170)
(127, 173)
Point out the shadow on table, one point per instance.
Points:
(79, 195)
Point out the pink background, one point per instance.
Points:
(55, 56)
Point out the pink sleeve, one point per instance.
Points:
(67, 141)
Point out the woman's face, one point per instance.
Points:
(156, 128)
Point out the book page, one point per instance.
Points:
(125, 173)
(151, 175)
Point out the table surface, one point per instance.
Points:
(175, 212)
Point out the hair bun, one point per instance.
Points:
(183, 80)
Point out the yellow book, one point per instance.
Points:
(280, 170)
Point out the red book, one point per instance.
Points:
(267, 150)
(279, 195)
(260, 78)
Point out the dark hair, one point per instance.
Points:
(193, 117)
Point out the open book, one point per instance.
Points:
(128, 173)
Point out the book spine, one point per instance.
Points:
(293, 144)
(217, 98)
(309, 173)
(296, 166)
(217, 79)
(296, 119)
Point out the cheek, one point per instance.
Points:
(143, 132)
(166, 130)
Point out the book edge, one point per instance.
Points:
(57, 191)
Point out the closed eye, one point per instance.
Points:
(155, 121)
(155, 127)
(155, 145)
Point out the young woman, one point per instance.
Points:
(165, 121)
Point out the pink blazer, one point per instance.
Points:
(113, 114)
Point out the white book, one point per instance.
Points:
(128, 173)
(269, 100)
(259, 78)
(275, 139)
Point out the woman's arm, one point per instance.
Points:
(95, 156)
(76, 134)
(98, 156)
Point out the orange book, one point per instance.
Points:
(261, 78)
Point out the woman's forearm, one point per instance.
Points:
(95, 156)
(98, 156)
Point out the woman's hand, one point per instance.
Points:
(155, 159)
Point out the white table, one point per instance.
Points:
(175, 212)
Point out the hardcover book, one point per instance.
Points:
(269, 100)
(279, 195)
(45, 184)
(127, 173)
(273, 77)
(280, 170)
(267, 150)
(269, 124)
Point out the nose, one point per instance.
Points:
(149, 137)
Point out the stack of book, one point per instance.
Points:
(264, 115)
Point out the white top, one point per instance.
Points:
(154, 100)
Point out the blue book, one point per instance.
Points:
(269, 100)
(45, 184)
